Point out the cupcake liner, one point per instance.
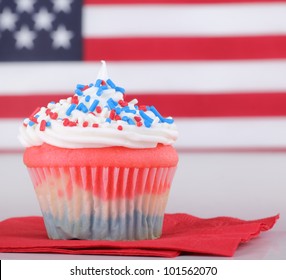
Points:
(102, 202)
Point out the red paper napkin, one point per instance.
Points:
(182, 234)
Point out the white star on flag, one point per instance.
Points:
(25, 5)
(24, 38)
(62, 5)
(8, 20)
(61, 37)
(43, 19)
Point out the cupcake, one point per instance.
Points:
(101, 166)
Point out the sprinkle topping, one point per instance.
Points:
(101, 104)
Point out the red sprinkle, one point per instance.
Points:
(35, 112)
(54, 115)
(85, 124)
(24, 124)
(119, 127)
(122, 103)
(139, 124)
(112, 114)
(98, 109)
(43, 125)
(74, 99)
(72, 123)
(85, 87)
(95, 125)
(33, 119)
(48, 111)
(103, 83)
(143, 108)
(117, 118)
(66, 122)
(137, 118)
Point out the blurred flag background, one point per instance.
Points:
(217, 66)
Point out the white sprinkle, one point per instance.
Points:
(51, 105)
(92, 117)
(80, 120)
(133, 101)
(104, 112)
(120, 122)
(105, 124)
(150, 114)
(155, 121)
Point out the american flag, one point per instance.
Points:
(218, 67)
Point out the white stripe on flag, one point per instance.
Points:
(197, 133)
(184, 20)
(166, 77)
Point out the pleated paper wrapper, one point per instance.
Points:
(102, 203)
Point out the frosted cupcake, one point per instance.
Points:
(101, 166)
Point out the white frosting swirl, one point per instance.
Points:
(104, 119)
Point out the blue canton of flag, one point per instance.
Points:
(42, 30)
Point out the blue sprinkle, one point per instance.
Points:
(90, 85)
(70, 109)
(136, 107)
(52, 102)
(147, 123)
(128, 110)
(110, 83)
(162, 119)
(130, 121)
(170, 121)
(87, 98)
(111, 103)
(31, 123)
(78, 92)
(79, 86)
(125, 118)
(101, 89)
(108, 120)
(120, 89)
(48, 124)
(118, 110)
(93, 105)
(79, 106)
(99, 92)
(156, 113)
(83, 108)
(37, 116)
(98, 83)
(145, 117)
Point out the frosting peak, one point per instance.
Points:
(102, 74)
(98, 115)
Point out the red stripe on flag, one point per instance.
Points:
(215, 48)
(116, 2)
(177, 105)
(22, 106)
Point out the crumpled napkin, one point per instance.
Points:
(182, 234)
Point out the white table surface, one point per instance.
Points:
(243, 185)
